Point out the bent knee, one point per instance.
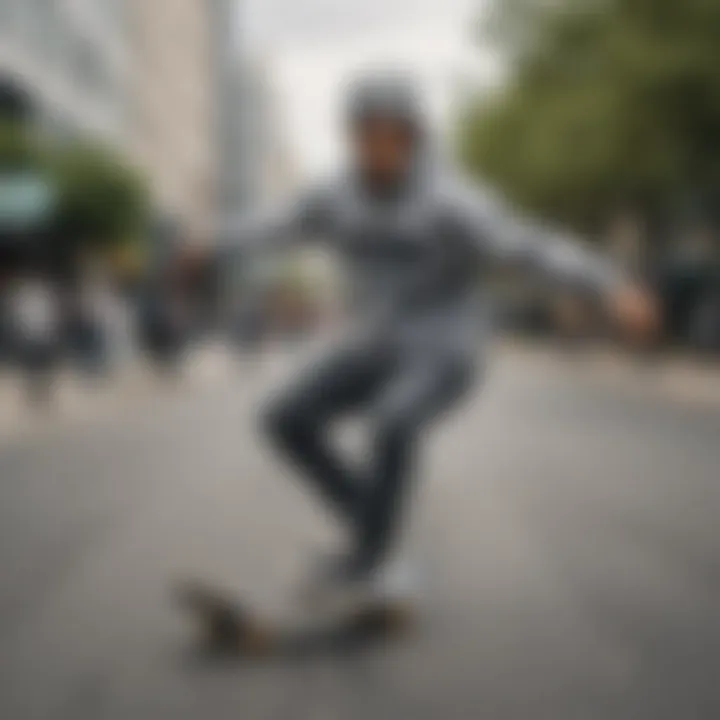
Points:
(395, 428)
(282, 418)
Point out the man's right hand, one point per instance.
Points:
(189, 261)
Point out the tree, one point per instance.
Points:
(59, 199)
(18, 150)
(102, 201)
(608, 102)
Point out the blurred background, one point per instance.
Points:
(131, 131)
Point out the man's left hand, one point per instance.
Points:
(635, 310)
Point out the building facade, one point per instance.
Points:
(141, 75)
(172, 109)
(257, 166)
(227, 104)
(72, 58)
(264, 162)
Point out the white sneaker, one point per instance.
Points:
(336, 588)
(396, 581)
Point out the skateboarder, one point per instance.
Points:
(417, 241)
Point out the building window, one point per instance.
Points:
(40, 27)
(110, 10)
(89, 68)
(59, 126)
(9, 17)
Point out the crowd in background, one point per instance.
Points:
(66, 302)
(100, 319)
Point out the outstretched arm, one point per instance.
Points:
(507, 238)
(557, 257)
(277, 228)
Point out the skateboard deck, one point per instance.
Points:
(227, 627)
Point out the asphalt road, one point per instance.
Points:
(567, 528)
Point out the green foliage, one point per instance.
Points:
(608, 102)
(18, 150)
(102, 201)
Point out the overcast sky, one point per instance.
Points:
(313, 46)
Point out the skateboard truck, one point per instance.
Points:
(228, 629)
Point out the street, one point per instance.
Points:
(567, 527)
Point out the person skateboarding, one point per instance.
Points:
(417, 241)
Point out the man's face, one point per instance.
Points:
(383, 149)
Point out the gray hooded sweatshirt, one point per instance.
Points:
(416, 261)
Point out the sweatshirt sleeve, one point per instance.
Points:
(506, 237)
(277, 228)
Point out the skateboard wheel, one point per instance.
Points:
(385, 619)
(257, 641)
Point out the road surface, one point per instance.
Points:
(567, 528)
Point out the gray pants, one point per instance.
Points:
(401, 394)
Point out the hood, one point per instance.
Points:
(386, 95)
(395, 96)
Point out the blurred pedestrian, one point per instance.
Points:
(34, 316)
(163, 322)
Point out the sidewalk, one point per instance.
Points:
(78, 399)
(675, 376)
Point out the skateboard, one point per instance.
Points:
(229, 628)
